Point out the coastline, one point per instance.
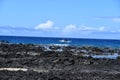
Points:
(57, 62)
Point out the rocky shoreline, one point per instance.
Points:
(50, 62)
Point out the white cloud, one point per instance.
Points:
(116, 19)
(101, 29)
(69, 28)
(67, 31)
(48, 25)
(86, 28)
(72, 29)
(118, 30)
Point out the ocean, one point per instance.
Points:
(63, 41)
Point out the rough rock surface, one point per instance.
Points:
(52, 64)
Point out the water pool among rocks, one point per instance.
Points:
(35, 62)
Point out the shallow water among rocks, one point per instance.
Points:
(39, 62)
(107, 56)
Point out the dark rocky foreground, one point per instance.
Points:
(57, 63)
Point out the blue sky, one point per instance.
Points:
(61, 18)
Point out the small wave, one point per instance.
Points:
(59, 44)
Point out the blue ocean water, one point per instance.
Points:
(72, 41)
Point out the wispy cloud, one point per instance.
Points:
(10, 30)
(48, 27)
(50, 30)
(115, 19)
(86, 28)
(69, 28)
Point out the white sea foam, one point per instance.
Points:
(13, 69)
(59, 44)
(58, 50)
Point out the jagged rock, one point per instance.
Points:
(68, 64)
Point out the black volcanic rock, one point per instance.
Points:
(68, 64)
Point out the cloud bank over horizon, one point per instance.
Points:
(48, 29)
